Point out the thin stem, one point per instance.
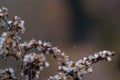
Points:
(9, 26)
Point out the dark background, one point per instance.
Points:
(78, 27)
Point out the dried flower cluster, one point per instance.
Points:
(81, 67)
(33, 63)
(8, 73)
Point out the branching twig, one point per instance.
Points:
(32, 63)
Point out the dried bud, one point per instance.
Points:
(8, 73)
(3, 12)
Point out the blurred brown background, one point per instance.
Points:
(78, 27)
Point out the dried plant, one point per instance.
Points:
(31, 63)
